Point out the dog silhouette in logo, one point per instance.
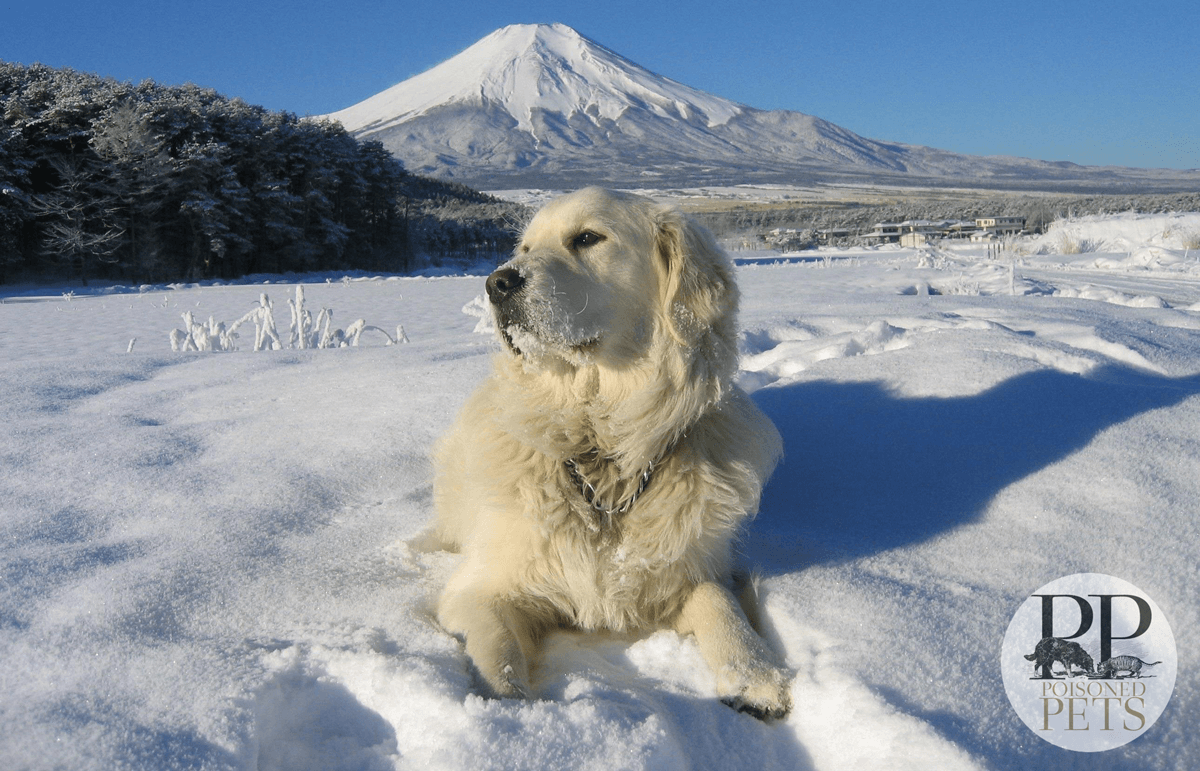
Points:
(1070, 654)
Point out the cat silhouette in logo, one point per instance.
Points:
(1131, 664)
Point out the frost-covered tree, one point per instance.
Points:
(16, 208)
(140, 169)
(79, 216)
(213, 209)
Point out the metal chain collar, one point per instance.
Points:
(588, 490)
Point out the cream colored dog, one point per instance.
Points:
(598, 478)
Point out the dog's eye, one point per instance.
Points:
(585, 239)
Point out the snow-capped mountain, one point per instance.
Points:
(542, 105)
(530, 68)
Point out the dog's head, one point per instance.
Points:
(603, 277)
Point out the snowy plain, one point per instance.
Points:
(208, 559)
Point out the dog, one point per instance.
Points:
(599, 477)
(1052, 649)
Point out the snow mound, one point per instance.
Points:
(1170, 234)
(780, 353)
(1104, 294)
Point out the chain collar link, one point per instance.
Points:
(588, 490)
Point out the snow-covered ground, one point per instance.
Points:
(206, 558)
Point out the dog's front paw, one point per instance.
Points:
(763, 693)
(507, 683)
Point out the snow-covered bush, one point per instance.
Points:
(305, 331)
(1075, 244)
(478, 308)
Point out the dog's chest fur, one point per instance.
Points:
(623, 570)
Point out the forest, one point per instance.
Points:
(107, 180)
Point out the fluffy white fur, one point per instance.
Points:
(620, 348)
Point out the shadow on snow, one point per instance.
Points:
(866, 471)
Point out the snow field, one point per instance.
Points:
(213, 560)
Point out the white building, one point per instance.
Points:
(1001, 225)
(885, 232)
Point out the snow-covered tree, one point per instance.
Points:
(16, 208)
(140, 169)
(79, 216)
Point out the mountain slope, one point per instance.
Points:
(540, 105)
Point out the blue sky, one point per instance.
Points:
(1094, 82)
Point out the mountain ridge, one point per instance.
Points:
(539, 105)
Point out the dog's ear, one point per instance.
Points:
(698, 290)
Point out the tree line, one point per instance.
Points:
(1038, 211)
(101, 179)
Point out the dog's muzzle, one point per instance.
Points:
(502, 286)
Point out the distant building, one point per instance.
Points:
(960, 229)
(828, 236)
(1001, 225)
(789, 239)
(912, 233)
(885, 233)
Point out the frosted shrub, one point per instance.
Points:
(1068, 245)
(305, 331)
(196, 336)
(479, 309)
(930, 260)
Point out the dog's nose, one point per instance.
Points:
(504, 283)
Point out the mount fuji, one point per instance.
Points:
(540, 105)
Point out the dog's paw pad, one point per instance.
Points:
(762, 712)
(766, 696)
